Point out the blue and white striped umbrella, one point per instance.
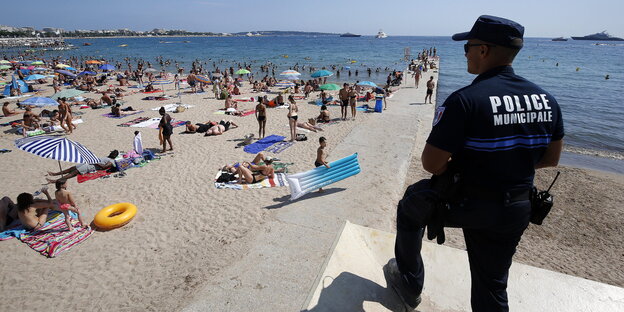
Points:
(59, 148)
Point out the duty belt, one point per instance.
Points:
(512, 195)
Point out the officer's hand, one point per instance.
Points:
(435, 226)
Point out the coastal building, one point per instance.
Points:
(52, 30)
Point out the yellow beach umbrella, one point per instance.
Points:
(61, 65)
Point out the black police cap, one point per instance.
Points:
(495, 30)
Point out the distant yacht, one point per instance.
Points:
(350, 35)
(249, 34)
(559, 39)
(381, 35)
(601, 36)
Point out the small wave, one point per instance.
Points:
(593, 152)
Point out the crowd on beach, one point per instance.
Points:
(96, 76)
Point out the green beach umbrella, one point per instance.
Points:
(242, 72)
(68, 93)
(4, 62)
(3, 67)
(37, 63)
(330, 87)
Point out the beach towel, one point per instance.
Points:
(156, 98)
(16, 229)
(138, 144)
(147, 123)
(91, 176)
(174, 124)
(278, 180)
(279, 147)
(219, 112)
(134, 122)
(262, 144)
(53, 238)
(248, 112)
(363, 108)
(171, 107)
(124, 114)
(245, 100)
(154, 91)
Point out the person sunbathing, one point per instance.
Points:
(149, 88)
(105, 100)
(117, 111)
(309, 125)
(8, 213)
(32, 212)
(220, 128)
(249, 176)
(9, 112)
(324, 115)
(103, 164)
(260, 157)
(199, 127)
(30, 122)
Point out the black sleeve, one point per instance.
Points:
(558, 131)
(449, 121)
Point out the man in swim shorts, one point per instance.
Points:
(343, 94)
(103, 164)
(430, 86)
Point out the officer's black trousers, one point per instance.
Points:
(492, 230)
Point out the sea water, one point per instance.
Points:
(573, 72)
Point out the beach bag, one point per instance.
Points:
(123, 164)
(301, 137)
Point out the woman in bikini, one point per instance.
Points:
(261, 117)
(247, 176)
(292, 118)
(32, 212)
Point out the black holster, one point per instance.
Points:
(541, 203)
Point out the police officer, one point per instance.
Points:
(495, 133)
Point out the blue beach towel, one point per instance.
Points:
(262, 144)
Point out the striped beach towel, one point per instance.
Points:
(278, 180)
(54, 238)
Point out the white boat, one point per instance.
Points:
(381, 35)
(249, 34)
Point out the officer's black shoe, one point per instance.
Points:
(397, 281)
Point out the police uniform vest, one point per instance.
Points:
(497, 129)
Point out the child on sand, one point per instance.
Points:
(321, 156)
(67, 204)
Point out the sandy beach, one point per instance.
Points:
(187, 232)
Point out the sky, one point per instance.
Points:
(401, 17)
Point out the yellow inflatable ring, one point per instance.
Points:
(115, 216)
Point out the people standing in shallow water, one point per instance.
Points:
(261, 117)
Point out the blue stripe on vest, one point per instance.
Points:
(502, 144)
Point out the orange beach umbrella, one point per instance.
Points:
(93, 62)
